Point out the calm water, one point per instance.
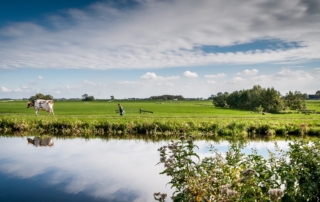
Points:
(89, 170)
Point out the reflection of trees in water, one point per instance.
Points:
(41, 141)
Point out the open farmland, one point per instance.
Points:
(168, 118)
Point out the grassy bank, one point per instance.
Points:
(199, 118)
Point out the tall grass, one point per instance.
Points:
(214, 127)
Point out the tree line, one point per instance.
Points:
(41, 96)
(261, 99)
(167, 97)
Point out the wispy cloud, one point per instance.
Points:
(153, 76)
(216, 76)
(316, 71)
(89, 82)
(158, 34)
(211, 81)
(40, 77)
(248, 72)
(236, 80)
(4, 89)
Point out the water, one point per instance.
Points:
(89, 170)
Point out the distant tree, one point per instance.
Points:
(86, 97)
(256, 98)
(112, 97)
(295, 100)
(41, 96)
(220, 100)
(167, 97)
(272, 101)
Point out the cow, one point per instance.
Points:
(41, 141)
(46, 105)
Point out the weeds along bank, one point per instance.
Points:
(199, 127)
(291, 175)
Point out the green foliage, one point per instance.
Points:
(86, 97)
(259, 109)
(220, 100)
(41, 96)
(295, 100)
(167, 97)
(199, 118)
(269, 99)
(291, 175)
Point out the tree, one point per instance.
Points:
(272, 101)
(41, 96)
(220, 100)
(295, 100)
(112, 97)
(86, 97)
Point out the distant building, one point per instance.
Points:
(311, 97)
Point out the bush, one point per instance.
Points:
(292, 175)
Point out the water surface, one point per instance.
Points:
(90, 170)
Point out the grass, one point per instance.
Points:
(168, 118)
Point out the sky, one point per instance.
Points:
(143, 48)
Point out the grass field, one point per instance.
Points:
(168, 117)
(172, 109)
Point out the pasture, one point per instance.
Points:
(168, 118)
(167, 109)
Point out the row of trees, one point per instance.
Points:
(86, 97)
(261, 99)
(41, 96)
(167, 97)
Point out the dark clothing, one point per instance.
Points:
(121, 110)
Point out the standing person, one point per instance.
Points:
(121, 109)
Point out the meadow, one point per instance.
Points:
(169, 118)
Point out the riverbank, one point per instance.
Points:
(166, 126)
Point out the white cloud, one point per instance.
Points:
(18, 90)
(216, 76)
(211, 81)
(4, 89)
(293, 75)
(73, 87)
(190, 74)
(158, 34)
(248, 72)
(236, 80)
(316, 71)
(128, 82)
(89, 82)
(40, 77)
(32, 82)
(153, 76)
(169, 84)
(58, 92)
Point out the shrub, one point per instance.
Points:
(292, 175)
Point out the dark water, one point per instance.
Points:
(89, 170)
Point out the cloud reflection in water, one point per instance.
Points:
(114, 170)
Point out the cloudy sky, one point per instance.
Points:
(141, 48)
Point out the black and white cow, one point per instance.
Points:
(41, 141)
(46, 105)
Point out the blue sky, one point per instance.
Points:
(141, 48)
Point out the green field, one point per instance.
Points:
(168, 117)
(170, 109)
